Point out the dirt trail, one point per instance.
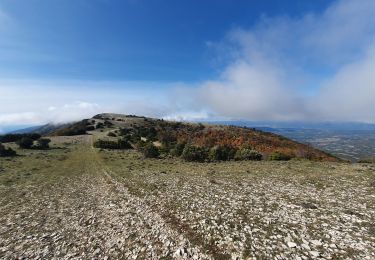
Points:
(87, 215)
(76, 202)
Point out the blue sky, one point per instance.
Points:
(127, 40)
(256, 60)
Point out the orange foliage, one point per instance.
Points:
(237, 137)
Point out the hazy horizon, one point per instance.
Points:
(319, 125)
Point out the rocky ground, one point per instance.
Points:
(76, 202)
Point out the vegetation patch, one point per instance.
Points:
(8, 138)
(111, 134)
(43, 143)
(150, 151)
(106, 144)
(367, 160)
(221, 153)
(6, 152)
(277, 156)
(248, 154)
(78, 128)
(194, 153)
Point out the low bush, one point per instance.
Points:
(177, 149)
(150, 151)
(277, 156)
(108, 123)
(99, 125)
(90, 128)
(8, 138)
(124, 144)
(43, 143)
(75, 129)
(367, 160)
(194, 153)
(125, 131)
(166, 138)
(221, 153)
(119, 144)
(134, 138)
(248, 154)
(148, 132)
(25, 142)
(164, 149)
(111, 134)
(140, 144)
(6, 152)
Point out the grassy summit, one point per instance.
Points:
(203, 142)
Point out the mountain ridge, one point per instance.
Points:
(207, 136)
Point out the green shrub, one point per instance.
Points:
(134, 138)
(108, 123)
(164, 149)
(78, 128)
(150, 151)
(25, 142)
(125, 131)
(277, 156)
(248, 154)
(43, 143)
(178, 149)
(111, 134)
(140, 144)
(90, 128)
(6, 152)
(148, 132)
(367, 160)
(194, 153)
(221, 153)
(99, 125)
(119, 144)
(8, 138)
(124, 144)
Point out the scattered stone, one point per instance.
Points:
(314, 253)
(308, 205)
(316, 242)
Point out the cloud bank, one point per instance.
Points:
(316, 67)
(37, 102)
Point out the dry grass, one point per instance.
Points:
(79, 202)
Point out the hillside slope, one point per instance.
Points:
(169, 134)
(46, 129)
(74, 201)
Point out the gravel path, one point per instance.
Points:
(87, 215)
(81, 203)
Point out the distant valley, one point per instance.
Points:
(350, 141)
(348, 144)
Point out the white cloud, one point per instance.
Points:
(247, 90)
(274, 64)
(66, 113)
(16, 118)
(73, 111)
(350, 94)
(187, 116)
(37, 102)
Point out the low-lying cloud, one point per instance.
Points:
(316, 67)
(38, 102)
